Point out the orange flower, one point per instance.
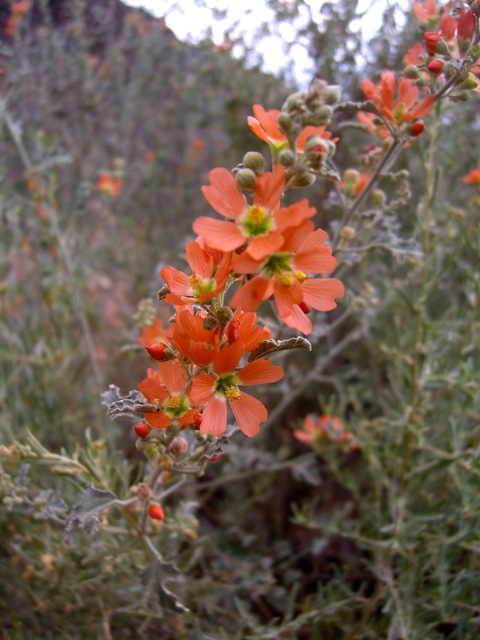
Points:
(401, 110)
(109, 184)
(426, 10)
(412, 55)
(207, 280)
(149, 156)
(223, 385)
(166, 390)
(312, 131)
(265, 126)
(241, 328)
(193, 341)
(284, 274)
(328, 426)
(258, 226)
(473, 177)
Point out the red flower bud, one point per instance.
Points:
(157, 350)
(416, 128)
(156, 512)
(466, 24)
(198, 422)
(431, 39)
(435, 66)
(304, 307)
(216, 457)
(142, 430)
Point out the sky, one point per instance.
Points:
(190, 22)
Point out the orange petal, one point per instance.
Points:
(219, 234)
(223, 194)
(298, 320)
(270, 187)
(245, 264)
(306, 438)
(251, 294)
(202, 388)
(260, 248)
(294, 215)
(254, 125)
(173, 376)
(158, 420)
(268, 120)
(421, 110)
(319, 293)
(259, 372)
(227, 358)
(286, 297)
(214, 417)
(189, 417)
(177, 281)
(407, 93)
(296, 236)
(152, 390)
(199, 260)
(249, 413)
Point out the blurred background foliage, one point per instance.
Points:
(377, 542)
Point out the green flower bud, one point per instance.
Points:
(246, 179)
(286, 157)
(254, 161)
(294, 102)
(347, 233)
(334, 94)
(284, 122)
(305, 180)
(411, 72)
(173, 429)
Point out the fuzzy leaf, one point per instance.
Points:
(307, 472)
(123, 406)
(55, 504)
(153, 579)
(268, 347)
(84, 514)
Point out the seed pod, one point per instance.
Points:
(178, 447)
(165, 461)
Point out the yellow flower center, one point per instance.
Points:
(256, 221)
(286, 280)
(232, 392)
(173, 402)
(300, 276)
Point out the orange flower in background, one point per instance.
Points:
(284, 275)
(207, 280)
(426, 10)
(215, 390)
(154, 333)
(325, 426)
(429, 12)
(166, 390)
(258, 226)
(149, 156)
(109, 184)
(402, 109)
(473, 177)
(413, 55)
(312, 131)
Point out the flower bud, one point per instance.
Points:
(305, 180)
(165, 461)
(465, 29)
(286, 157)
(198, 422)
(411, 72)
(379, 198)
(319, 117)
(156, 512)
(233, 331)
(199, 436)
(435, 66)
(224, 315)
(284, 122)
(351, 175)
(178, 447)
(209, 323)
(304, 307)
(143, 491)
(416, 129)
(294, 102)
(148, 448)
(347, 233)
(431, 40)
(254, 161)
(468, 83)
(142, 430)
(197, 454)
(173, 429)
(157, 351)
(333, 94)
(246, 179)
(213, 458)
